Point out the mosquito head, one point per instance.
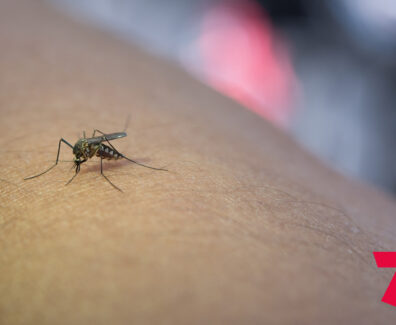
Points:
(80, 150)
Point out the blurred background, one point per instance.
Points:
(324, 71)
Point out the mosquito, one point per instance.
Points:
(86, 148)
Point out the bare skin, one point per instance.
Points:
(245, 227)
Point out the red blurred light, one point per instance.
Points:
(244, 59)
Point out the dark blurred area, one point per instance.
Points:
(325, 71)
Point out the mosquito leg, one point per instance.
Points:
(101, 171)
(56, 162)
(131, 160)
(77, 171)
(104, 135)
(143, 165)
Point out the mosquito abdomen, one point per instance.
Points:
(107, 152)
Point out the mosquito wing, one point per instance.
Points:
(108, 137)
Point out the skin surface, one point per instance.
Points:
(244, 228)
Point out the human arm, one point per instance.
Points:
(244, 227)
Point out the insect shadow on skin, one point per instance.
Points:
(86, 148)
